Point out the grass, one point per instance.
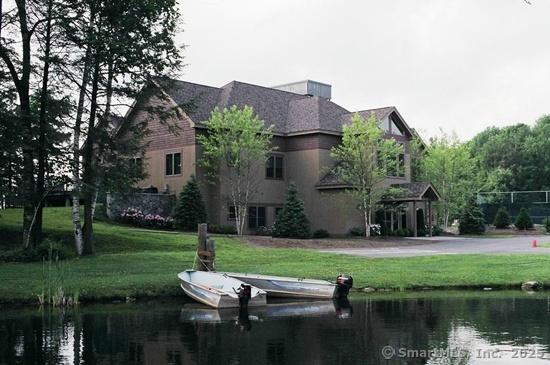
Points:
(139, 263)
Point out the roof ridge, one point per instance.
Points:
(268, 88)
(188, 82)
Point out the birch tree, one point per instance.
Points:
(364, 159)
(234, 151)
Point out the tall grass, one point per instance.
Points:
(53, 282)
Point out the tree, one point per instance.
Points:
(292, 221)
(502, 218)
(471, 219)
(125, 44)
(363, 161)
(523, 220)
(190, 210)
(234, 150)
(449, 166)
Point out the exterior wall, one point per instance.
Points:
(306, 159)
(160, 141)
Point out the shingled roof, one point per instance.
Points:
(288, 112)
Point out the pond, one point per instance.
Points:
(416, 328)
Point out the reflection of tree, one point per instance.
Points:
(142, 334)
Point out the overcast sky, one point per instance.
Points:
(459, 65)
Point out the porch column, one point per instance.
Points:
(430, 216)
(391, 218)
(415, 229)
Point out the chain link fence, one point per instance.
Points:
(537, 202)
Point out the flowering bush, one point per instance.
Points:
(375, 230)
(157, 221)
(136, 217)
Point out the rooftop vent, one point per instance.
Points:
(307, 87)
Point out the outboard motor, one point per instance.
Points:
(245, 293)
(344, 284)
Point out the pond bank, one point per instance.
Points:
(143, 264)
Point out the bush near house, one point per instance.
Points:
(546, 224)
(471, 218)
(321, 233)
(523, 220)
(292, 222)
(135, 217)
(190, 210)
(502, 218)
(375, 230)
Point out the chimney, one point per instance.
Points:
(307, 87)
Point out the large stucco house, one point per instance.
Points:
(307, 124)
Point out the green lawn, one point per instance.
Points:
(136, 263)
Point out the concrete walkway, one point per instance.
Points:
(455, 246)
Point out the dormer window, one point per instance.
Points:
(394, 129)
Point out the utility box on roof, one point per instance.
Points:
(307, 87)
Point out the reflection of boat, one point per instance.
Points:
(217, 290)
(278, 286)
(193, 313)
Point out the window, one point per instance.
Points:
(274, 167)
(173, 164)
(401, 165)
(395, 129)
(232, 213)
(256, 217)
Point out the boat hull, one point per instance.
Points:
(215, 298)
(276, 286)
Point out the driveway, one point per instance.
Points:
(454, 246)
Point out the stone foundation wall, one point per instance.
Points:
(148, 203)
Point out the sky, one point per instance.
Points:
(452, 66)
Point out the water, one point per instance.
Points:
(424, 328)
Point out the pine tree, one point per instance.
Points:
(502, 218)
(523, 221)
(292, 221)
(471, 218)
(190, 210)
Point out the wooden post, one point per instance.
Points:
(205, 250)
(415, 228)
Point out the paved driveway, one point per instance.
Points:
(454, 246)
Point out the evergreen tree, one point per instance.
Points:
(502, 218)
(471, 218)
(190, 210)
(523, 221)
(292, 221)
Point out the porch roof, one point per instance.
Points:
(414, 191)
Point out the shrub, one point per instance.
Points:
(214, 228)
(190, 210)
(135, 217)
(131, 216)
(437, 231)
(523, 220)
(157, 221)
(41, 252)
(357, 231)
(471, 218)
(292, 221)
(321, 233)
(263, 231)
(375, 230)
(502, 218)
(546, 223)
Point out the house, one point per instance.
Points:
(307, 124)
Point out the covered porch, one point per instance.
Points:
(402, 211)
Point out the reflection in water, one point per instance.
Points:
(450, 330)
